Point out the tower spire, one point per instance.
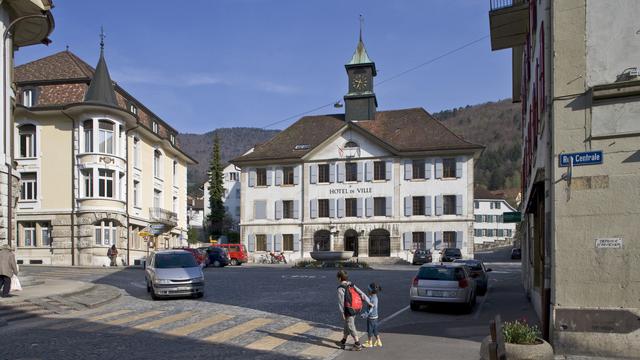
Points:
(102, 36)
(361, 26)
(101, 89)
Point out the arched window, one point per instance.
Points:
(87, 125)
(105, 136)
(350, 144)
(157, 161)
(27, 141)
(322, 240)
(106, 233)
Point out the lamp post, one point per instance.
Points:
(9, 164)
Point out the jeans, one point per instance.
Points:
(5, 284)
(350, 327)
(372, 327)
(114, 261)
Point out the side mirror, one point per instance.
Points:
(489, 270)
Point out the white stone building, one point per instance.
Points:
(489, 226)
(231, 197)
(378, 183)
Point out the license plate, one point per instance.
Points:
(436, 293)
(184, 288)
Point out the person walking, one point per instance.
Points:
(8, 268)
(372, 317)
(350, 300)
(112, 253)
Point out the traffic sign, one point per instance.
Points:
(144, 233)
(512, 217)
(157, 226)
(581, 158)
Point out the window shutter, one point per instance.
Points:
(269, 176)
(408, 206)
(340, 208)
(459, 162)
(427, 205)
(252, 242)
(332, 172)
(458, 204)
(408, 170)
(360, 171)
(278, 246)
(388, 169)
(269, 242)
(438, 168)
(332, 208)
(407, 239)
(296, 242)
(313, 209)
(439, 205)
(389, 206)
(252, 177)
(278, 209)
(340, 168)
(313, 174)
(459, 239)
(369, 207)
(428, 237)
(438, 240)
(368, 170)
(296, 209)
(278, 176)
(428, 164)
(359, 207)
(296, 175)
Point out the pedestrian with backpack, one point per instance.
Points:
(350, 300)
(372, 317)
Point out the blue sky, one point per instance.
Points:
(204, 64)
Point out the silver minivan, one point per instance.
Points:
(443, 283)
(172, 273)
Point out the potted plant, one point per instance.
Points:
(522, 342)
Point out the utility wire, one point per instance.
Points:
(430, 61)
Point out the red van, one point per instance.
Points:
(237, 253)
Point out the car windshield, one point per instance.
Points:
(440, 273)
(450, 252)
(169, 261)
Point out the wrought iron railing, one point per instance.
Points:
(501, 4)
(163, 216)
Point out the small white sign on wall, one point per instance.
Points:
(609, 243)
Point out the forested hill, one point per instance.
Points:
(495, 125)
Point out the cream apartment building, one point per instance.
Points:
(25, 23)
(575, 72)
(97, 168)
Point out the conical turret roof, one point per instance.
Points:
(101, 88)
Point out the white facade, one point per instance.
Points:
(488, 226)
(312, 205)
(231, 197)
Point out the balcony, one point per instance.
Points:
(509, 23)
(162, 216)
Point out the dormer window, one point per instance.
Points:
(173, 139)
(154, 127)
(28, 97)
(133, 109)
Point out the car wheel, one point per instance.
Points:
(153, 295)
(234, 262)
(216, 263)
(414, 305)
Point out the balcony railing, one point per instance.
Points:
(501, 4)
(163, 216)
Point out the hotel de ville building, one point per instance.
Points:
(377, 183)
(97, 167)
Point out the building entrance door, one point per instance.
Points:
(379, 243)
(351, 241)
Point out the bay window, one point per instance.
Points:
(87, 125)
(105, 136)
(106, 233)
(105, 183)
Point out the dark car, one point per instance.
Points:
(450, 254)
(421, 257)
(199, 256)
(516, 254)
(478, 272)
(218, 257)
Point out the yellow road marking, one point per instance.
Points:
(238, 330)
(191, 328)
(327, 348)
(71, 323)
(270, 342)
(157, 323)
(121, 321)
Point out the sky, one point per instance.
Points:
(206, 64)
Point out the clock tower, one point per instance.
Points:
(360, 102)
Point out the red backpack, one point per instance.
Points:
(352, 300)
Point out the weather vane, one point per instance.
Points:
(361, 25)
(102, 36)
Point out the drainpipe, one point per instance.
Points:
(7, 33)
(126, 182)
(73, 190)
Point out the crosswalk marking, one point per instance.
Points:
(68, 324)
(191, 328)
(284, 335)
(120, 321)
(156, 323)
(327, 348)
(238, 330)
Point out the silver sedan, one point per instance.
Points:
(173, 273)
(443, 283)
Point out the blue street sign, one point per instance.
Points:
(581, 158)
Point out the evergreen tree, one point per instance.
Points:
(216, 191)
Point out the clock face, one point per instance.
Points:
(360, 82)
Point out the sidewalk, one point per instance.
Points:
(46, 289)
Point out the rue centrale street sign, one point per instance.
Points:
(581, 158)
